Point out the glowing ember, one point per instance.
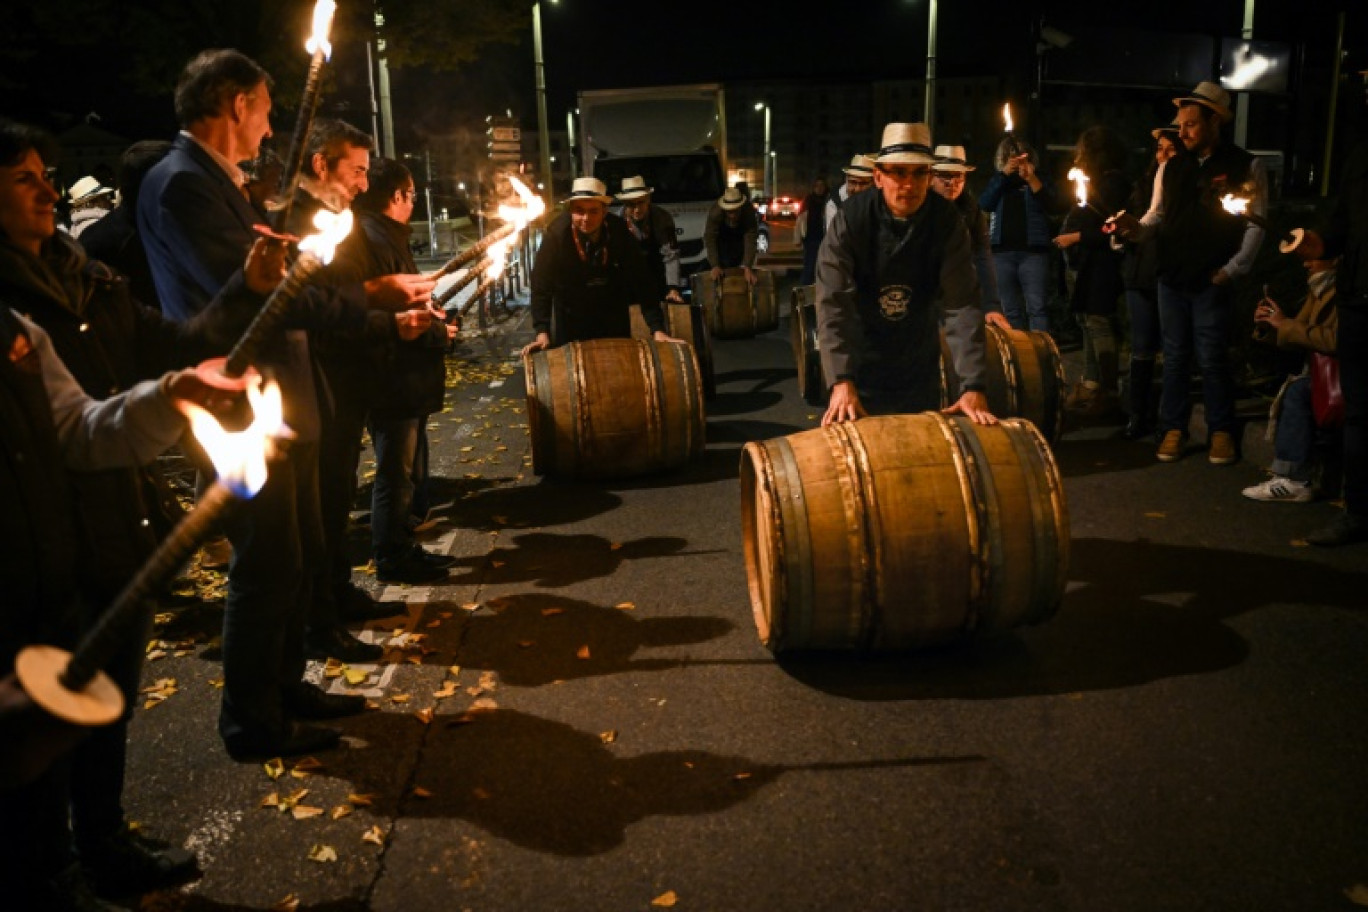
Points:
(240, 457)
(1235, 205)
(332, 228)
(1007, 116)
(322, 25)
(1080, 185)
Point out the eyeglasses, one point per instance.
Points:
(903, 175)
(950, 177)
(409, 194)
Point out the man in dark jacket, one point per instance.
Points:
(730, 234)
(893, 267)
(948, 178)
(114, 239)
(588, 272)
(409, 379)
(654, 229)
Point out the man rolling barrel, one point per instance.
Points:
(893, 267)
(587, 274)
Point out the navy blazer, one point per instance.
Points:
(197, 227)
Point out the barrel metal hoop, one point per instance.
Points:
(581, 425)
(1048, 352)
(797, 558)
(976, 516)
(1059, 511)
(533, 367)
(854, 508)
(1044, 544)
(652, 371)
(871, 621)
(1011, 371)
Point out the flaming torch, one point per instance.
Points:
(1013, 147)
(1080, 182)
(320, 51)
(315, 252)
(64, 693)
(516, 219)
(1239, 206)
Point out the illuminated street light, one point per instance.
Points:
(544, 138)
(767, 176)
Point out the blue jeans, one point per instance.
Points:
(1296, 431)
(1196, 323)
(1144, 323)
(1021, 277)
(396, 446)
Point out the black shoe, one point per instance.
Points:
(70, 891)
(356, 606)
(125, 864)
(306, 701)
(445, 561)
(337, 643)
(1136, 428)
(409, 569)
(298, 739)
(1345, 530)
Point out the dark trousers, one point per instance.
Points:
(338, 457)
(35, 840)
(277, 539)
(1196, 323)
(1352, 346)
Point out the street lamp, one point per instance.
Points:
(765, 177)
(931, 67)
(544, 138)
(773, 159)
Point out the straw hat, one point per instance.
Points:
(860, 166)
(906, 144)
(951, 158)
(87, 189)
(634, 188)
(590, 188)
(732, 199)
(1169, 130)
(1209, 95)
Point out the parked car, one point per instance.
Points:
(785, 207)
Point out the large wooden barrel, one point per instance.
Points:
(613, 408)
(684, 321)
(803, 338)
(1025, 377)
(902, 531)
(735, 309)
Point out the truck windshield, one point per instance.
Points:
(675, 178)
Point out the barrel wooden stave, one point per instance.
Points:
(803, 339)
(734, 309)
(687, 322)
(901, 532)
(1025, 377)
(613, 408)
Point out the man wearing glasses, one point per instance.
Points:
(894, 267)
(654, 229)
(859, 178)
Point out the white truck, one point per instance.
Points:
(673, 136)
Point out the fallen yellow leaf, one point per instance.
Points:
(322, 853)
(608, 737)
(552, 612)
(374, 835)
(424, 716)
(342, 810)
(420, 792)
(625, 606)
(361, 800)
(399, 698)
(582, 652)
(274, 768)
(304, 812)
(270, 801)
(287, 903)
(665, 900)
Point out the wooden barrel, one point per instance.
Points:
(1025, 377)
(803, 338)
(734, 309)
(684, 321)
(613, 408)
(902, 531)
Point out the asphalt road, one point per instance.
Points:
(1187, 733)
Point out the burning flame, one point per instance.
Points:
(1235, 205)
(240, 457)
(1080, 185)
(498, 257)
(532, 206)
(322, 25)
(332, 228)
(1007, 116)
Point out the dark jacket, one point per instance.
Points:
(1004, 190)
(976, 223)
(882, 299)
(576, 298)
(1196, 236)
(114, 240)
(729, 247)
(1098, 283)
(1346, 233)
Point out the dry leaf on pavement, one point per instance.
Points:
(342, 810)
(361, 801)
(322, 853)
(665, 900)
(609, 736)
(625, 606)
(420, 792)
(582, 652)
(304, 812)
(274, 768)
(287, 903)
(374, 835)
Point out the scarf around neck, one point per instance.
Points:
(57, 273)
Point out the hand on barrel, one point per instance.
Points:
(662, 336)
(751, 277)
(845, 404)
(974, 406)
(998, 319)
(542, 341)
(674, 297)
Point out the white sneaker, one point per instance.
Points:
(1282, 490)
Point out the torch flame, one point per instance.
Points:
(1080, 185)
(1235, 205)
(1007, 116)
(240, 457)
(332, 228)
(322, 26)
(532, 205)
(498, 257)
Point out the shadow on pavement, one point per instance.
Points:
(551, 788)
(536, 639)
(530, 506)
(1079, 457)
(725, 403)
(1143, 612)
(553, 561)
(763, 378)
(747, 430)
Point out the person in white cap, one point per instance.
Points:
(588, 273)
(894, 268)
(654, 229)
(1202, 249)
(90, 202)
(730, 234)
(948, 177)
(859, 177)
